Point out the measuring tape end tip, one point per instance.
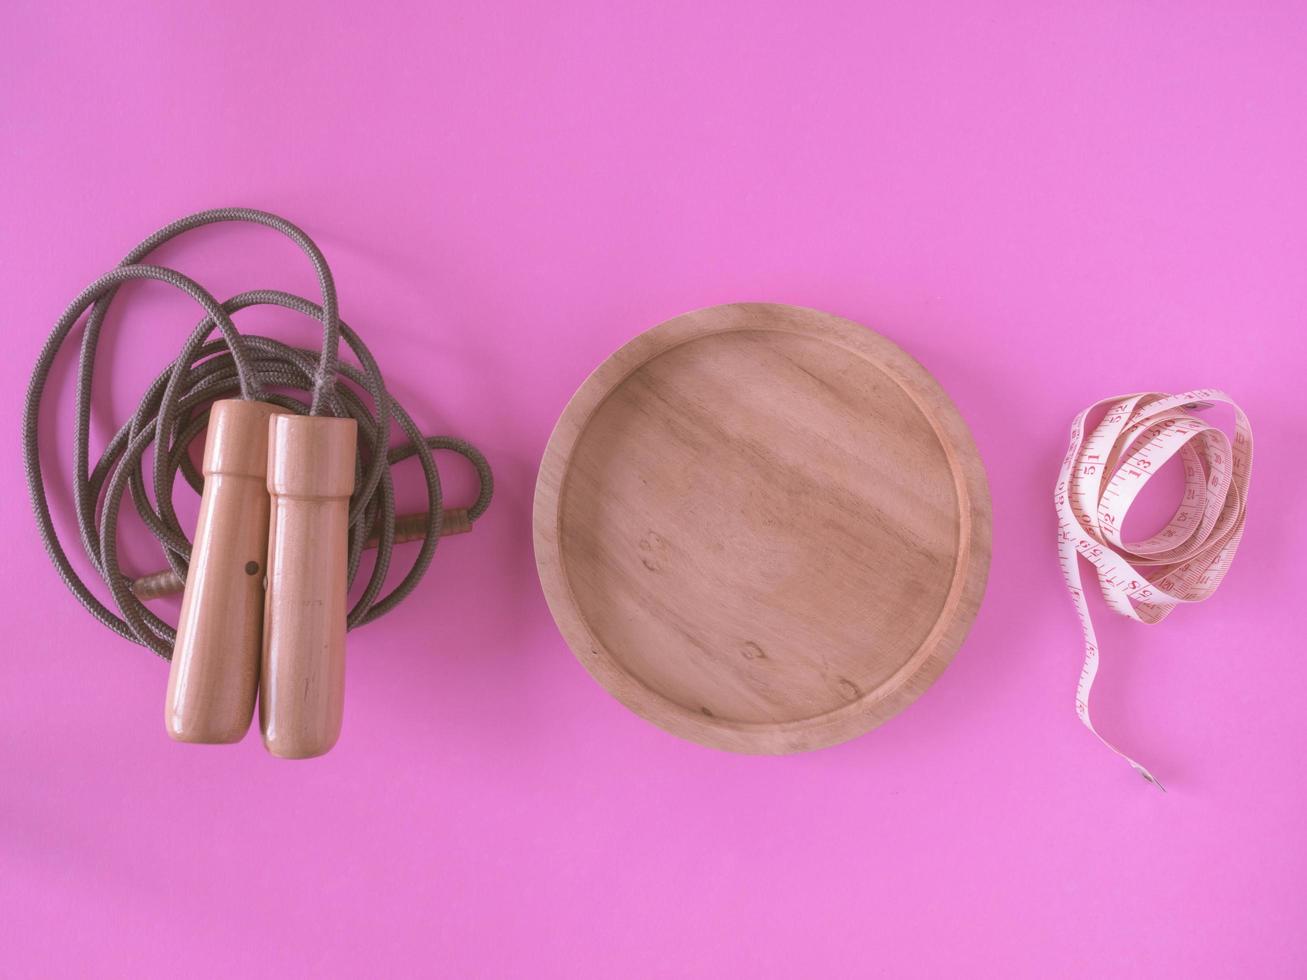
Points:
(1149, 777)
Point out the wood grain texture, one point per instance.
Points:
(763, 528)
(214, 675)
(302, 685)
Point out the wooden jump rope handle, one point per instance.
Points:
(215, 662)
(310, 472)
(408, 527)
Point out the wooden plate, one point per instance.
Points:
(762, 527)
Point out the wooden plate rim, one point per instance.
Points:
(876, 705)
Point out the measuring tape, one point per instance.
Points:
(1103, 474)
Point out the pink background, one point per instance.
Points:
(1045, 205)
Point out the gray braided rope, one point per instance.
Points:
(175, 409)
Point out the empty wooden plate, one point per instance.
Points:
(762, 527)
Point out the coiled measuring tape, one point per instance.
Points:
(1103, 474)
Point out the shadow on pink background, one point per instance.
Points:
(1045, 207)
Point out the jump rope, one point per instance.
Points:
(176, 409)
